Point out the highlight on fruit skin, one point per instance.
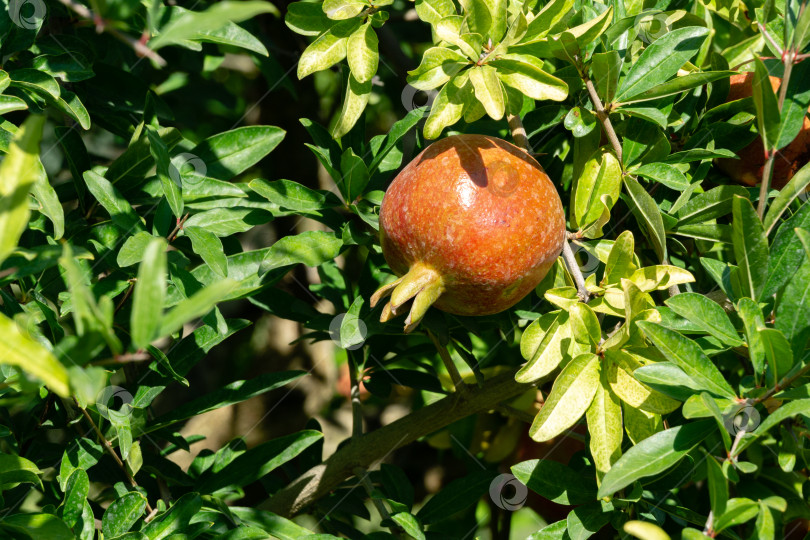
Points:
(748, 169)
(471, 225)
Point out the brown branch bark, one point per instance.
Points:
(375, 446)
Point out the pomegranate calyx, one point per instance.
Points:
(421, 284)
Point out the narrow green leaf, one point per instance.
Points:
(688, 356)
(196, 306)
(605, 427)
(20, 350)
(18, 175)
(160, 153)
(362, 53)
(706, 314)
(488, 90)
(570, 397)
(654, 455)
(354, 103)
(122, 514)
(750, 246)
(113, 202)
(664, 173)
(329, 49)
(648, 215)
(149, 295)
(208, 246)
(768, 118)
(661, 60)
(794, 188)
(456, 496)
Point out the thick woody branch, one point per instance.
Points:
(373, 447)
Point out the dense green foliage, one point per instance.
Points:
(138, 186)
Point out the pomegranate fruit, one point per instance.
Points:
(748, 169)
(471, 225)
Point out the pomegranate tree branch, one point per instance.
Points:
(519, 132)
(574, 270)
(373, 447)
(604, 118)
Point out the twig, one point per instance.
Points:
(110, 450)
(455, 376)
(575, 271)
(784, 383)
(138, 46)
(604, 118)
(519, 132)
(177, 228)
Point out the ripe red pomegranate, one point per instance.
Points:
(748, 169)
(471, 225)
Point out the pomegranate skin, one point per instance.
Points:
(748, 169)
(482, 214)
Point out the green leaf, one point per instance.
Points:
(488, 90)
(648, 215)
(619, 371)
(70, 104)
(235, 392)
(688, 356)
(20, 350)
(228, 154)
(586, 520)
(580, 122)
(18, 176)
(133, 249)
(706, 314)
(199, 304)
(765, 528)
(175, 519)
(606, 67)
(786, 253)
(777, 351)
(329, 49)
(439, 65)
(525, 73)
(448, 106)
(306, 18)
(601, 175)
(551, 14)
(16, 470)
(753, 321)
(208, 246)
(718, 486)
(750, 246)
(259, 461)
(788, 410)
(620, 259)
(768, 118)
(679, 84)
(605, 427)
(362, 53)
(160, 153)
(292, 195)
(709, 205)
(78, 486)
(149, 294)
(551, 347)
(355, 175)
(354, 103)
(343, 9)
(794, 109)
(793, 309)
(192, 23)
(456, 496)
(227, 221)
(48, 200)
(433, 11)
(11, 103)
(645, 530)
(654, 455)
(35, 81)
(738, 511)
(570, 397)
(36, 527)
(555, 481)
(113, 202)
(794, 188)
(478, 17)
(409, 524)
(122, 514)
(661, 60)
(311, 248)
(664, 173)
